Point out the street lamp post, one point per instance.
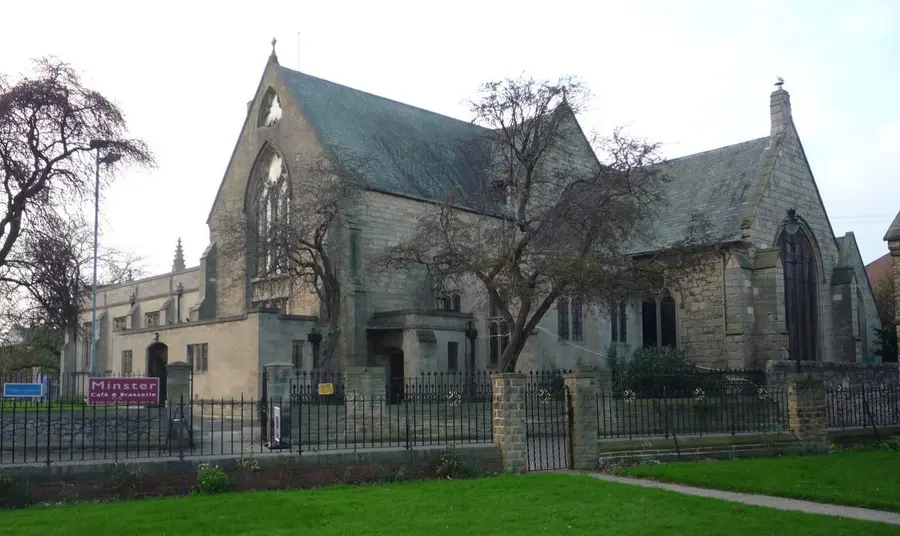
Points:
(108, 158)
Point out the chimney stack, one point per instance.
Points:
(780, 108)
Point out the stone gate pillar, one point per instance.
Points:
(583, 432)
(279, 376)
(365, 395)
(508, 415)
(806, 409)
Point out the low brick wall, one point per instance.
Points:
(834, 375)
(719, 446)
(71, 428)
(91, 481)
(851, 436)
(710, 415)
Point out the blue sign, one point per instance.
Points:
(23, 390)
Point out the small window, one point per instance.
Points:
(297, 354)
(447, 301)
(119, 323)
(452, 356)
(355, 264)
(577, 319)
(562, 317)
(270, 110)
(659, 321)
(127, 363)
(151, 320)
(619, 322)
(198, 357)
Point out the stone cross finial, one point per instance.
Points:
(273, 56)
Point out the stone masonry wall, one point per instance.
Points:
(74, 429)
(843, 308)
(508, 414)
(770, 335)
(806, 410)
(834, 375)
(739, 311)
(790, 184)
(102, 480)
(700, 313)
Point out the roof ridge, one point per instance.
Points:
(404, 104)
(716, 149)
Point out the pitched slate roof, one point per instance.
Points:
(414, 152)
(715, 184)
(403, 149)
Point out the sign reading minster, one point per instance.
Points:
(144, 391)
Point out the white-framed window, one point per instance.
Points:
(198, 356)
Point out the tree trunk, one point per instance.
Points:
(510, 357)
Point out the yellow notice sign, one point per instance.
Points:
(326, 388)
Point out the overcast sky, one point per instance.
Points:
(694, 75)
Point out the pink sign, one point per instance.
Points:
(142, 391)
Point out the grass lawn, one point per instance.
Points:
(523, 504)
(867, 479)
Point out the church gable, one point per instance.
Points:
(274, 131)
(786, 182)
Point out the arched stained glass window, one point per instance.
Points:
(272, 213)
(800, 303)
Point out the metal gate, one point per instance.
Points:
(547, 414)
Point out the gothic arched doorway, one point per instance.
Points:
(800, 303)
(157, 358)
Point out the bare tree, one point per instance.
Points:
(45, 281)
(299, 249)
(47, 122)
(47, 168)
(885, 294)
(549, 220)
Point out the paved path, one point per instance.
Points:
(779, 503)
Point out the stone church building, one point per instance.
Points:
(779, 285)
(892, 237)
